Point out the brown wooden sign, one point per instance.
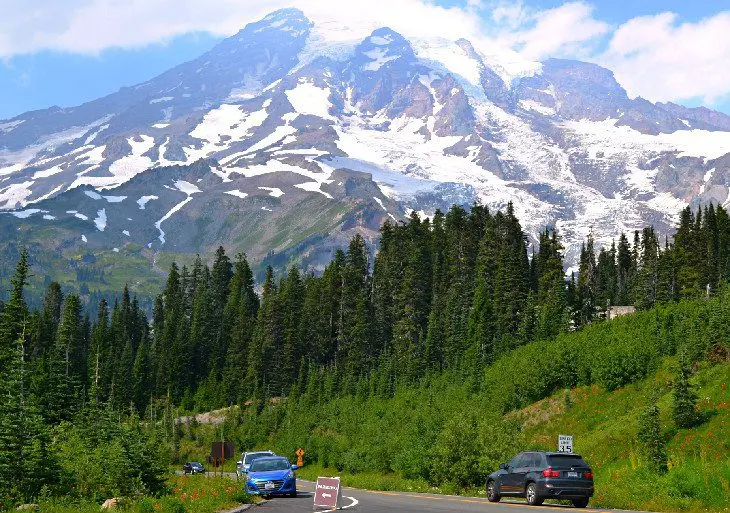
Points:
(222, 450)
(327, 493)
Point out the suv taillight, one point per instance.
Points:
(588, 475)
(549, 472)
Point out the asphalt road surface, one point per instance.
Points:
(370, 502)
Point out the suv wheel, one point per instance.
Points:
(533, 499)
(492, 495)
(581, 502)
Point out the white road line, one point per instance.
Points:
(354, 502)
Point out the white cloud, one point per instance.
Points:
(658, 57)
(89, 26)
(662, 59)
(565, 30)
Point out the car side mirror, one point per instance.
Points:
(294, 467)
(502, 466)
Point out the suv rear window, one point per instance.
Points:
(255, 455)
(558, 460)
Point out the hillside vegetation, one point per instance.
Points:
(410, 364)
(446, 435)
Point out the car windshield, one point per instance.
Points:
(268, 465)
(559, 460)
(254, 455)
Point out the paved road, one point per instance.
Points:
(371, 502)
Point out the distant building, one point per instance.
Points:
(617, 311)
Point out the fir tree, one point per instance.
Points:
(684, 406)
(651, 439)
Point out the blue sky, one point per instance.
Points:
(84, 49)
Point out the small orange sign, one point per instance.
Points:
(300, 459)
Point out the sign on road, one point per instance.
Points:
(327, 493)
(300, 457)
(565, 443)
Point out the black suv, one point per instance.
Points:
(543, 475)
(193, 467)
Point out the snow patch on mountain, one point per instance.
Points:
(449, 56)
(9, 126)
(127, 167)
(706, 179)
(94, 134)
(537, 107)
(308, 99)
(100, 220)
(611, 140)
(237, 193)
(227, 122)
(273, 191)
(274, 166)
(25, 214)
(379, 57)
(16, 194)
(45, 173)
(183, 186)
(313, 187)
(144, 200)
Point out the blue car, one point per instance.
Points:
(270, 476)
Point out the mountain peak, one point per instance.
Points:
(290, 20)
(383, 47)
(289, 14)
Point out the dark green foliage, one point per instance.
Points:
(101, 455)
(651, 439)
(452, 298)
(684, 406)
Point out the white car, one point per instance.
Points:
(244, 464)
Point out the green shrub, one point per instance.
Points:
(650, 437)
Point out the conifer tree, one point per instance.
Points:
(651, 439)
(292, 301)
(624, 272)
(265, 349)
(586, 292)
(684, 406)
(552, 304)
(26, 465)
(353, 342)
(15, 311)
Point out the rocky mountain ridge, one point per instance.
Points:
(349, 134)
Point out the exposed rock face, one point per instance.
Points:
(281, 142)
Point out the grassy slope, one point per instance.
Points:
(604, 425)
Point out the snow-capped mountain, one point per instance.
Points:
(300, 135)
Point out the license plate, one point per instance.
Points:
(573, 474)
(269, 486)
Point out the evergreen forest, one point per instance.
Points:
(462, 297)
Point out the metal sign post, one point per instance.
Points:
(328, 493)
(565, 443)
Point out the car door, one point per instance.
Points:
(524, 467)
(509, 484)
